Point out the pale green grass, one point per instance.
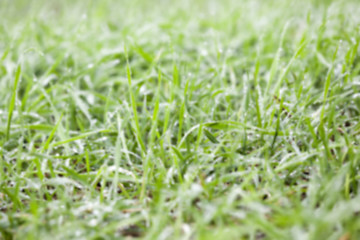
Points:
(179, 120)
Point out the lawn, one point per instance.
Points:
(192, 119)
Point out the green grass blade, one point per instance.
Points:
(12, 101)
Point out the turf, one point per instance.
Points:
(179, 120)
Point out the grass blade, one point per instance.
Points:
(12, 101)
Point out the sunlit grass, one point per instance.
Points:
(188, 120)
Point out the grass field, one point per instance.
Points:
(179, 119)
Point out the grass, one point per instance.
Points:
(179, 120)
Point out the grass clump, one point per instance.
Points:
(188, 120)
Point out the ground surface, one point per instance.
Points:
(179, 120)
